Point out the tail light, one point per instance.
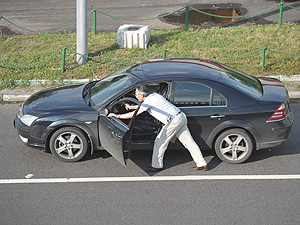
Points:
(280, 113)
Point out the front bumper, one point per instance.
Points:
(24, 133)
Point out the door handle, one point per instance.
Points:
(217, 116)
(116, 135)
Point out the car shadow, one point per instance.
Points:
(174, 158)
(283, 150)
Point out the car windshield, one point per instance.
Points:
(243, 82)
(109, 86)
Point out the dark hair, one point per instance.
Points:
(144, 90)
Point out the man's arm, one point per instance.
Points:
(125, 115)
(130, 107)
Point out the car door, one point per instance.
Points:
(205, 108)
(115, 136)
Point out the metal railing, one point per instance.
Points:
(164, 52)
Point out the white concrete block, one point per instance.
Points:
(129, 36)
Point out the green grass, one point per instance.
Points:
(214, 43)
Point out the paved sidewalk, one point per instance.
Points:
(44, 15)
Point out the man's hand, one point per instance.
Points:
(127, 106)
(113, 115)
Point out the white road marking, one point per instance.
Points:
(148, 178)
(29, 176)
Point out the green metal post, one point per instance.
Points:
(187, 17)
(1, 28)
(280, 14)
(63, 60)
(165, 53)
(94, 21)
(263, 58)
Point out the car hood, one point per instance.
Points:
(55, 100)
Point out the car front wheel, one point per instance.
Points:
(234, 146)
(68, 144)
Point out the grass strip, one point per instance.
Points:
(213, 43)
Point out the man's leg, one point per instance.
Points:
(162, 141)
(185, 137)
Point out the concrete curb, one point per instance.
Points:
(20, 94)
(294, 94)
(21, 98)
(14, 98)
(10, 98)
(293, 78)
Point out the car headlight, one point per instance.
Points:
(28, 119)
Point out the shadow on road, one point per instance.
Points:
(174, 158)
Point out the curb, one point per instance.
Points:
(22, 98)
(13, 98)
(294, 94)
(21, 94)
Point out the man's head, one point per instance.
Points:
(141, 92)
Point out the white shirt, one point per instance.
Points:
(159, 107)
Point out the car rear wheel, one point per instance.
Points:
(68, 144)
(234, 146)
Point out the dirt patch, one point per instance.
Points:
(198, 19)
(5, 31)
(202, 20)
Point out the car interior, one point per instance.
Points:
(144, 127)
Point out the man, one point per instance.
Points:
(175, 124)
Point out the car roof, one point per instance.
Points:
(178, 67)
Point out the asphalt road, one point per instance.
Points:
(108, 201)
(45, 15)
(215, 201)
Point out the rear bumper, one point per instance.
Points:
(270, 144)
(279, 131)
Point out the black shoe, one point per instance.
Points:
(153, 169)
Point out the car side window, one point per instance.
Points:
(217, 99)
(195, 94)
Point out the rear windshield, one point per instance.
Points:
(243, 82)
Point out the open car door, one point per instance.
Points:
(115, 136)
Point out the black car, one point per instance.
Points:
(228, 111)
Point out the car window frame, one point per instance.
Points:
(120, 95)
(173, 87)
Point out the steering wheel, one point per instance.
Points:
(119, 106)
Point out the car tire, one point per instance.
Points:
(69, 144)
(234, 146)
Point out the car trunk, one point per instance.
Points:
(273, 90)
(276, 96)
